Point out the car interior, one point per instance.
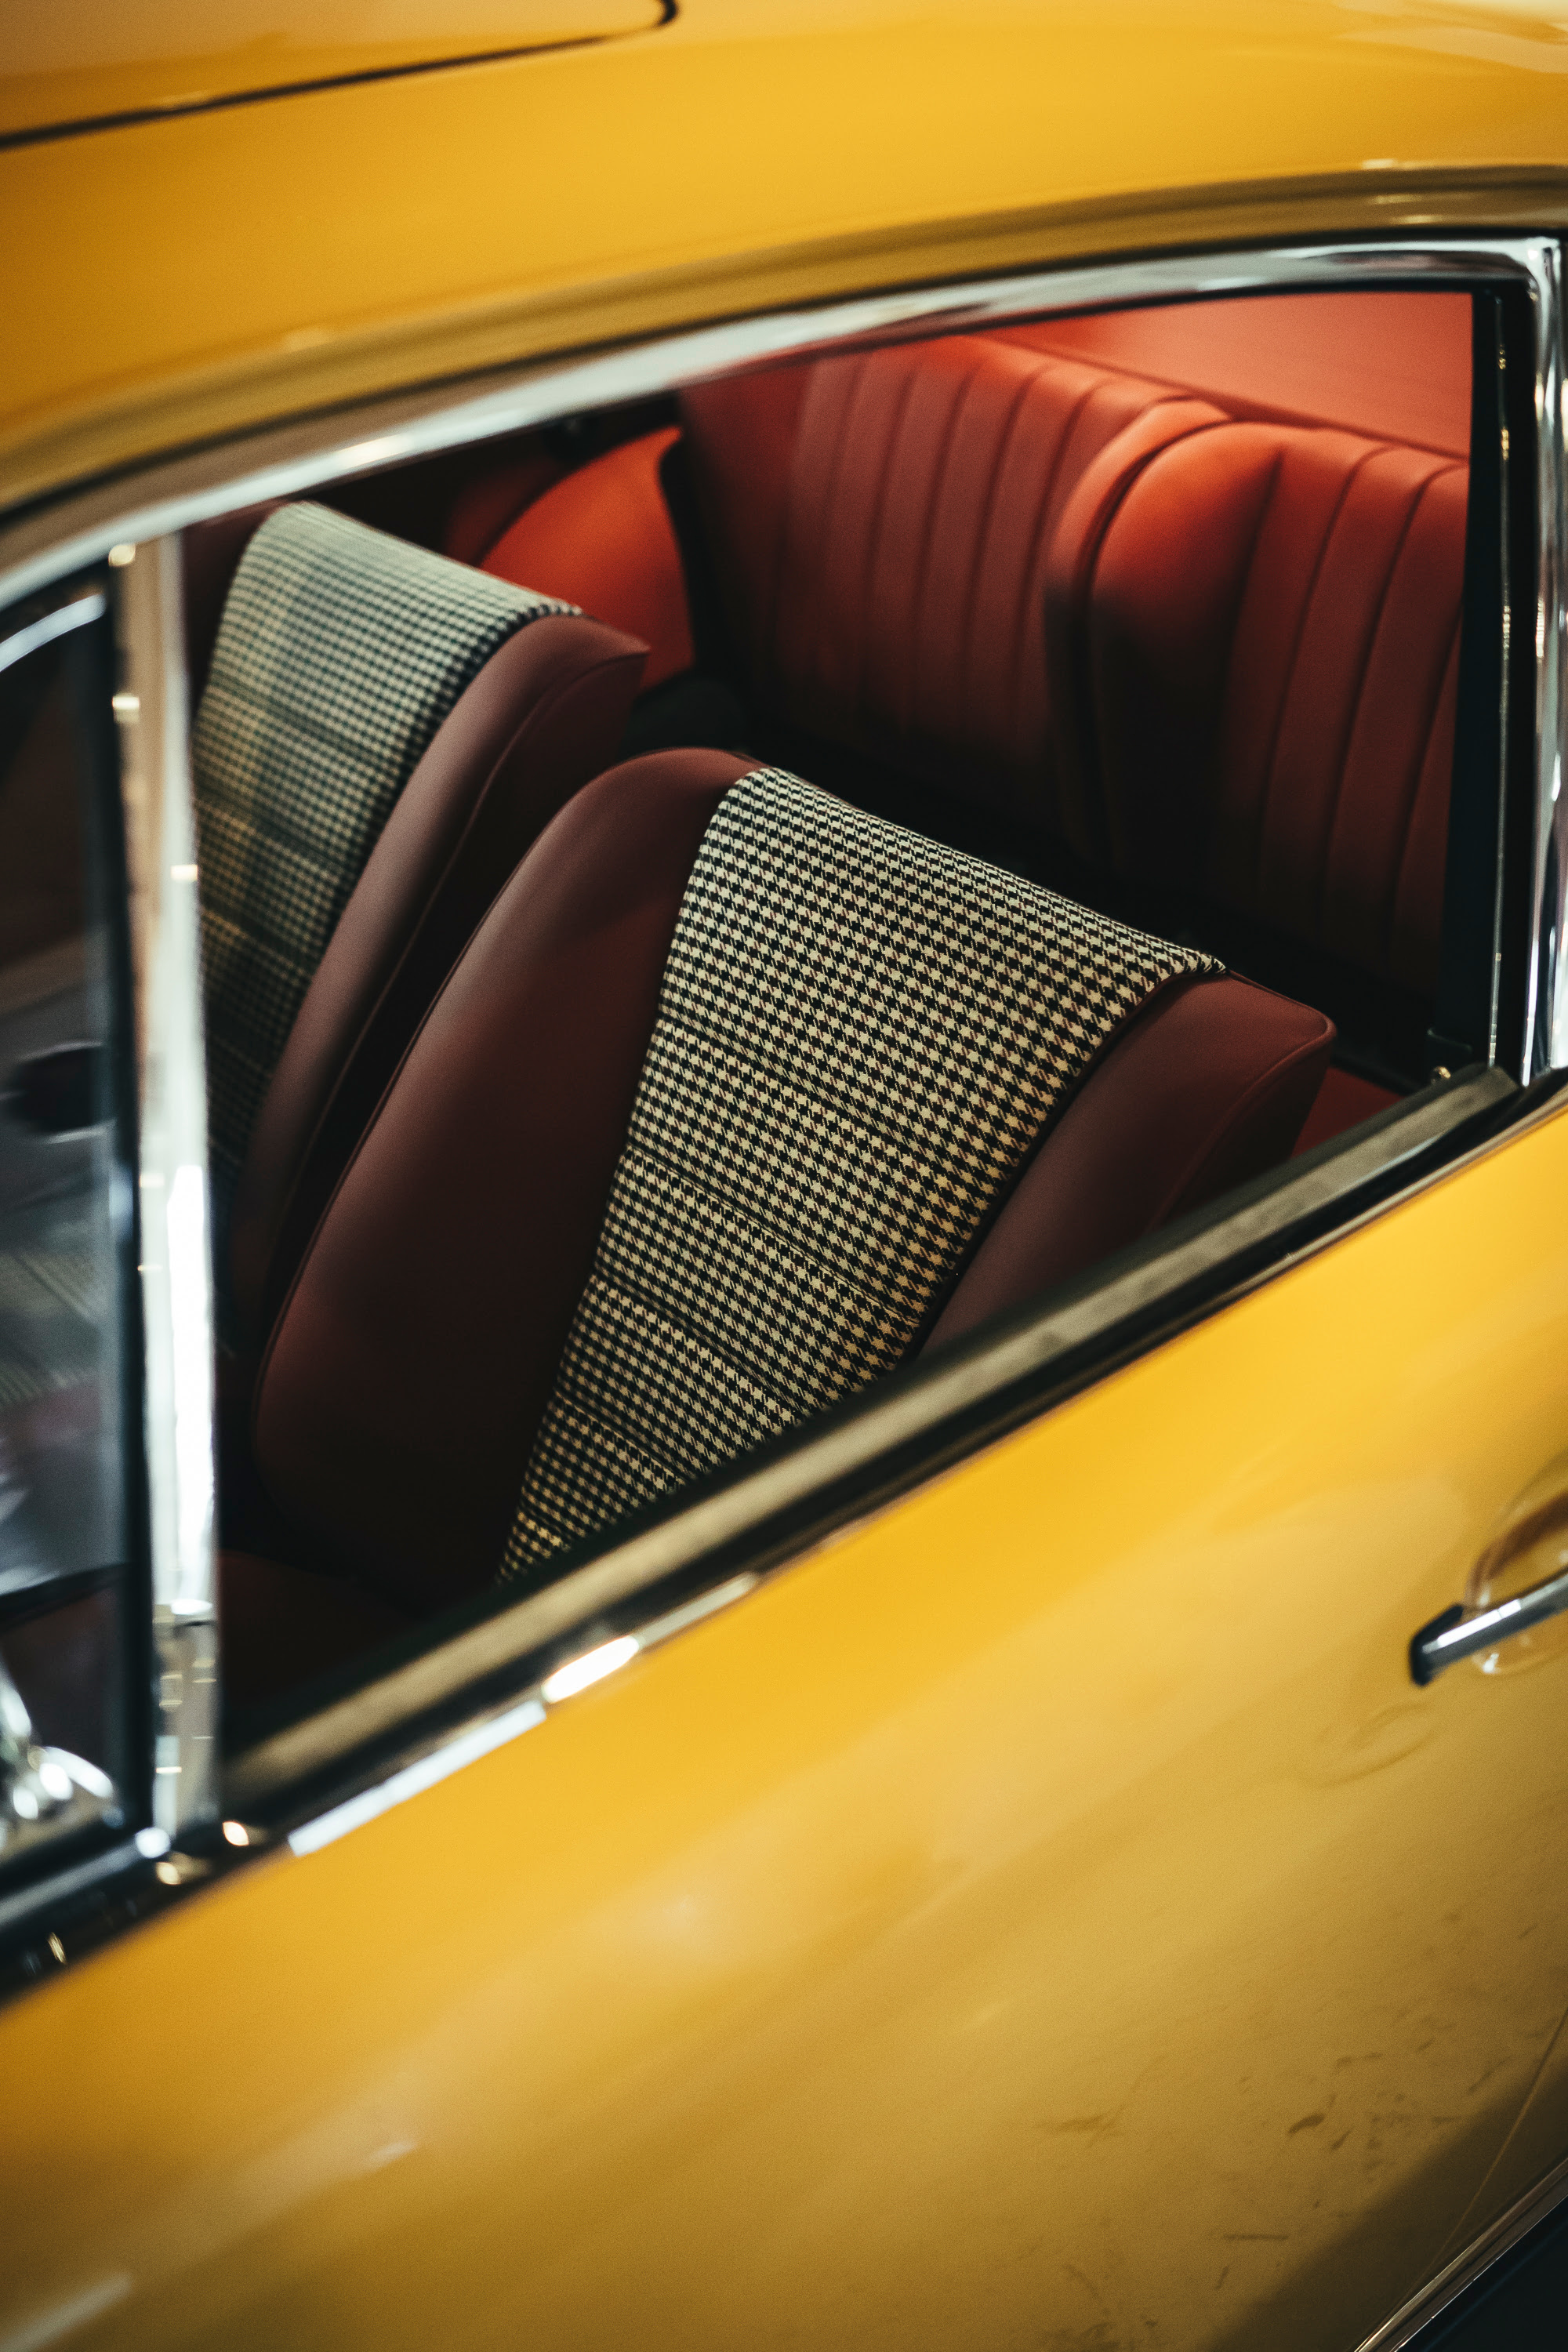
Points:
(708, 902)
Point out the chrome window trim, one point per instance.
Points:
(1440, 2294)
(481, 1735)
(172, 1145)
(364, 437)
(133, 520)
(1546, 1003)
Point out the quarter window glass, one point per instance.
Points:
(64, 1230)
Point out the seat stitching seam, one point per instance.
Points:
(906, 713)
(1039, 537)
(819, 635)
(707, 1186)
(1413, 798)
(981, 539)
(857, 699)
(1094, 796)
(1370, 647)
(1237, 1110)
(661, 1312)
(795, 525)
(897, 1149)
(1261, 830)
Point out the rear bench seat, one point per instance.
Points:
(1187, 648)
(879, 526)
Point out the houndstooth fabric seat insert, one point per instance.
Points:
(861, 1036)
(339, 653)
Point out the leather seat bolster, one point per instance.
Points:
(416, 1349)
(488, 506)
(1343, 1101)
(603, 538)
(547, 710)
(1208, 1087)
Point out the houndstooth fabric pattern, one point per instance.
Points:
(340, 654)
(860, 1036)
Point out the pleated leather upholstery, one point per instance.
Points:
(881, 523)
(1267, 641)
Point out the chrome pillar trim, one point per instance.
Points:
(30, 1906)
(284, 461)
(1546, 1008)
(1430, 2302)
(176, 1278)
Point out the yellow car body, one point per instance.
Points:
(1045, 1911)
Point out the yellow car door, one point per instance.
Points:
(1050, 1910)
(1073, 1857)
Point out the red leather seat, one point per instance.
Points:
(544, 713)
(1255, 639)
(882, 525)
(604, 539)
(1261, 629)
(414, 1359)
(1269, 727)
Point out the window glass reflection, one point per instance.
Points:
(63, 1201)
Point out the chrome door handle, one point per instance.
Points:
(1453, 1636)
(1534, 1535)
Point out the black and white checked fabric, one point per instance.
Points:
(340, 654)
(860, 1035)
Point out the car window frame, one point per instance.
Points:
(484, 1672)
(43, 1876)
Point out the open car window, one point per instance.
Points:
(71, 1598)
(1109, 736)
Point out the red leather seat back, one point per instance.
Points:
(1265, 636)
(881, 524)
(417, 1349)
(536, 718)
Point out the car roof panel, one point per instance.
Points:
(178, 279)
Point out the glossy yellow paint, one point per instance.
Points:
(1049, 1910)
(178, 279)
(1046, 1914)
(86, 60)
